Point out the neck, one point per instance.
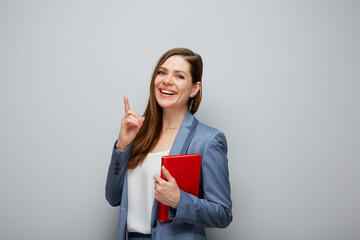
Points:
(172, 119)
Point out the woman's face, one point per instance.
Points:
(173, 84)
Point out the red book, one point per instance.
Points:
(186, 171)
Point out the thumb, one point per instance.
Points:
(167, 174)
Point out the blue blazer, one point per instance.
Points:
(213, 206)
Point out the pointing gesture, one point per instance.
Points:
(126, 104)
(130, 126)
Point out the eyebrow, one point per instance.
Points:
(174, 70)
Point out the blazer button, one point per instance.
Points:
(116, 173)
(117, 164)
(117, 169)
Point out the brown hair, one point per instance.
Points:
(149, 133)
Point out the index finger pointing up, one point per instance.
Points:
(126, 104)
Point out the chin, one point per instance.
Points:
(170, 103)
(165, 105)
(164, 102)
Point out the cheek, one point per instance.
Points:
(187, 89)
(156, 81)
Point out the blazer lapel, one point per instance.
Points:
(179, 141)
(182, 134)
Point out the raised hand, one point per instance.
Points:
(130, 126)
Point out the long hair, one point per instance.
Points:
(149, 133)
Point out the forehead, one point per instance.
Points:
(176, 63)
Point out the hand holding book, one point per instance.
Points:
(166, 190)
(186, 170)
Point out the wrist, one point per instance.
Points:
(120, 147)
(175, 203)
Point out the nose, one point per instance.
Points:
(168, 80)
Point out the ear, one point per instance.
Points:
(196, 89)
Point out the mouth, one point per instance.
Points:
(167, 92)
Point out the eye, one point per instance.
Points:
(180, 76)
(161, 72)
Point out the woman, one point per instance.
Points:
(168, 127)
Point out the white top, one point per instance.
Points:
(141, 186)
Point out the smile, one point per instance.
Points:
(167, 92)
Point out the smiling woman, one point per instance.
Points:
(174, 85)
(168, 127)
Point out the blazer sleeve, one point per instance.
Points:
(116, 175)
(214, 210)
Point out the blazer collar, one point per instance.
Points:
(182, 134)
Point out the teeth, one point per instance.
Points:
(167, 92)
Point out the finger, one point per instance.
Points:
(126, 104)
(142, 121)
(158, 179)
(136, 119)
(130, 112)
(130, 120)
(133, 121)
(167, 174)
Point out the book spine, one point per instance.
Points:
(163, 212)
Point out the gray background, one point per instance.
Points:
(281, 79)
